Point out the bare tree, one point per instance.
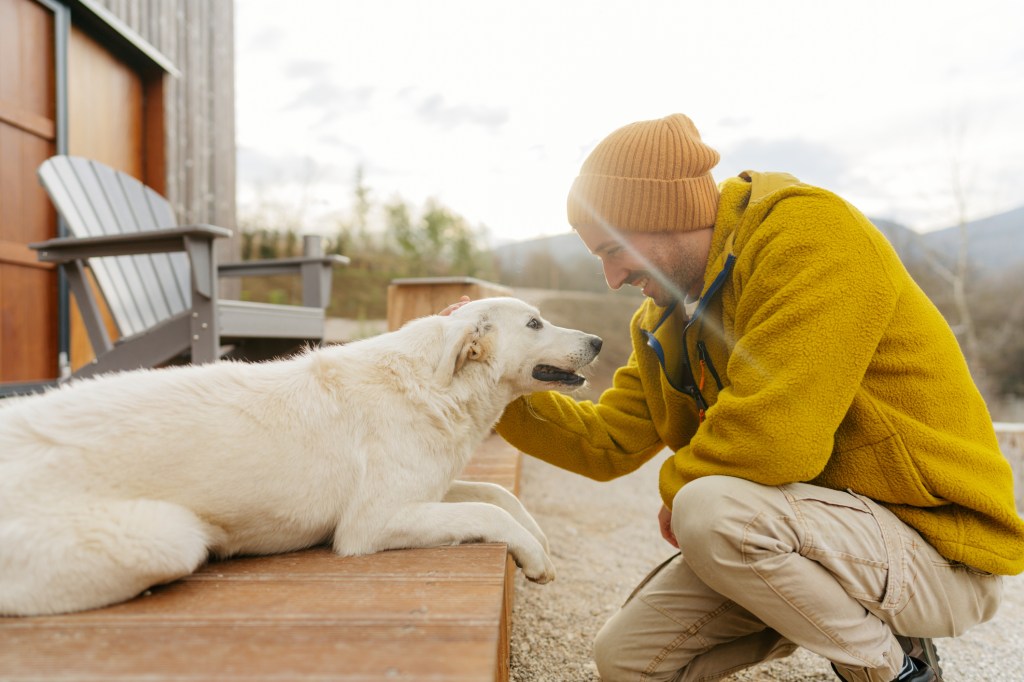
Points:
(956, 274)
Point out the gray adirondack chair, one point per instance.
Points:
(160, 279)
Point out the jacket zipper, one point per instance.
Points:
(689, 383)
(690, 387)
(693, 388)
(705, 360)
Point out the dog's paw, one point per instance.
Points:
(542, 578)
(542, 573)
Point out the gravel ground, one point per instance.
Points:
(604, 539)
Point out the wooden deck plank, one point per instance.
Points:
(251, 652)
(426, 614)
(464, 561)
(307, 601)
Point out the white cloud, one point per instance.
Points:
(492, 107)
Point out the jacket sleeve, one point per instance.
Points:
(600, 440)
(813, 296)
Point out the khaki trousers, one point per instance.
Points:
(765, 569)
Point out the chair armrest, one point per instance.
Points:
(315, 269)
(65, 249)
(277, 266)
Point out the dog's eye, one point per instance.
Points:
(534, 323)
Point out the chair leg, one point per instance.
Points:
(88, 307)
(205, 332)
(316, 277)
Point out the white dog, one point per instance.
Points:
(111, 485)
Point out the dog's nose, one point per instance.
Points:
(596, 343)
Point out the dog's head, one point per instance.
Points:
(520, 348)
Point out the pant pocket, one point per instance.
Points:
(859, 542)
(900, 548)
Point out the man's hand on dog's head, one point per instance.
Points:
(463, 300)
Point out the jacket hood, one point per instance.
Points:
(746, 195)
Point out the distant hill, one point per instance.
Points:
(558, 262)
(563, 248)
(995, 243)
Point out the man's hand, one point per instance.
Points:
(463, 300)
(665, 523)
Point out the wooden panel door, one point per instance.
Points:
(115, 116)
(105, 123)
(105, 106)
(28, 289)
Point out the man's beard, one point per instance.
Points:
(673, 274)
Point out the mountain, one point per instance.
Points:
(560, 248)
(558, 262)
(995, 243)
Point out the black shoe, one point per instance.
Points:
(925, 657)
(922, 649)
(924, 672)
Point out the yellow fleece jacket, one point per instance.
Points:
(814, 357)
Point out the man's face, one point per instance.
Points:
(666, 266)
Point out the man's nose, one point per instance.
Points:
(614, 276)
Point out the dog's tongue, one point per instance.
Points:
(553, 374)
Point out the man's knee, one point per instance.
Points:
(707, 505)
(709, 515)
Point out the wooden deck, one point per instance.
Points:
(432, 614)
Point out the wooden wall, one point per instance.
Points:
(28, 136)
(174, 131)
(197, 36)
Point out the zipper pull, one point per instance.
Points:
(702, 406)
(705, 359)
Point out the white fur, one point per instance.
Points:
(114, 484)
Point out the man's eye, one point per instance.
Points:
(534, 323)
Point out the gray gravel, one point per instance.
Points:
(604, 539)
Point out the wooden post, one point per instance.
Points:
(419, 297)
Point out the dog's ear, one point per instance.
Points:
(463, 343)
(472, 349)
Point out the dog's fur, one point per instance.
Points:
(114, 484)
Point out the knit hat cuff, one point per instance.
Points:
(643, 204)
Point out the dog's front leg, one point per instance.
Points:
(469, 491)
(432, 524)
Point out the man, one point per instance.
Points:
(835, 481)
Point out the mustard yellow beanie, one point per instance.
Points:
(648, 176)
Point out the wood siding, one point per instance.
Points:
(197, 36)
(106, 122)
(28, 289)
(175, 132)
(105, 106)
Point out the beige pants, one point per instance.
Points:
(766, 569)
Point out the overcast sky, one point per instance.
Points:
(491, 107)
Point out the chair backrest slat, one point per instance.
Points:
(61, 177)
(135, 216)
(111, 218)
(177, 262)
(95, 199)
(170, 269)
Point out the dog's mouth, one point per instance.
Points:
(557, 376)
